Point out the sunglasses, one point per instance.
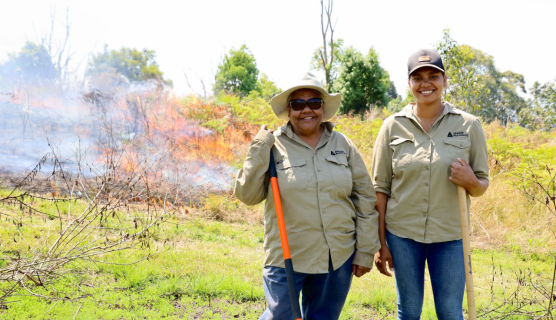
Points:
(299, 104)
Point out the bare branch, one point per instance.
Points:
(327, 55)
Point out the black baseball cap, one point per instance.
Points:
(424, 58)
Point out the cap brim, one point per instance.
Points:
(424, 65)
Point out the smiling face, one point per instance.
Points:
(307, 121)
(426, 85)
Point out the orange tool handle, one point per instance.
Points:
(294, 298)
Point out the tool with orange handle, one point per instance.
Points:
(284, 238)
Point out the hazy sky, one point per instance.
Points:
(193, 36)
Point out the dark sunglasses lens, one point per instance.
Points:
(297, 104)
(314, 103)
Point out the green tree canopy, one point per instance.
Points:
(32, 65)
(135, 65)
(541, 110)
(392, 92)
(237, 74)
(334, 61)
(476, 86)
(361, 81)
(500, 95)
(267, 87)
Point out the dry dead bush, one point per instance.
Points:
(96, 215)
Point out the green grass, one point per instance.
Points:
(207, 269)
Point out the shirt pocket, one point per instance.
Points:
(402, 152)
(292, 174)
(456, 149)
(339, 170)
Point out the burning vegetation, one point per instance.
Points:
(114, 164)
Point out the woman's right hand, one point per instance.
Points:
(383, 257)
(264, 128)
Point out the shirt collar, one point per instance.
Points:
(407, 111)
(288, 129)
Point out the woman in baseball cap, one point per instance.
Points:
(422, 154)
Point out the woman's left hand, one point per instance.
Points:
(358, 270)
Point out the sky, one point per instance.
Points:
(192, 36)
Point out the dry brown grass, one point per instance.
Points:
(504, 217)
(225, 207)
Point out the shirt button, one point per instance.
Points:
(425, 199)
(428, 168)
(426, 184)
(318, 170)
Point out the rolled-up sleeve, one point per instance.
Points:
(478, 154)
(251, 185)
(381, 168)
(363, 197)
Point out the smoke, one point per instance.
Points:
(138, 123)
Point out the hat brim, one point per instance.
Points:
(424, 65)
(332, 101)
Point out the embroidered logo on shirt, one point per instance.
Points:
(457, 134)
(337, 152)
(280, 161)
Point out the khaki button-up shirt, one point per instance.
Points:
(412, 167)
(327, 198)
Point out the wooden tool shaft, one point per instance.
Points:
(462, 193)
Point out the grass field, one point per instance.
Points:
(209, 269)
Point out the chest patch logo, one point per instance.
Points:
(337, 152)
(280, 161)
(457, 134)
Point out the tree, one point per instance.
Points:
(32, 65)
(237, 74)
(43, 63)
(326, 58)
(541, 110)
(397, 104)
(500, 97)
(463, 89)
(133, 64)
(362, 82)
(59, 50)
(392, 92)
(267, 87)
(476, 86)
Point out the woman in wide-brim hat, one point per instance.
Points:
(327, 198)
(421, 155)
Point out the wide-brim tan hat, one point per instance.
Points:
(279, 102)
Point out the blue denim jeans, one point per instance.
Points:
(447, 274)
(322, 295)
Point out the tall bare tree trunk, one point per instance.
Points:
(326, 25)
